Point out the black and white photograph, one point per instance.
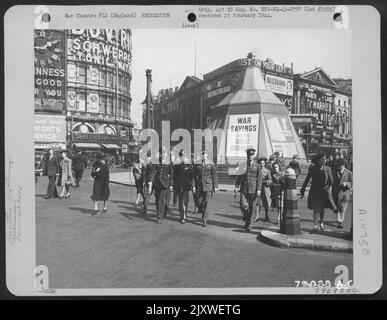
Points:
(112, 213)
(181, 151)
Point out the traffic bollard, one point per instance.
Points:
(290, 223)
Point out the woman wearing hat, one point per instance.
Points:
(101, 191)
(65, 175)
(320, 196)
(342, 184)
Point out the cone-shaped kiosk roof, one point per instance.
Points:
(251, 90)
(253, 117)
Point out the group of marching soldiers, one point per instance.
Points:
(179, 176)
(260, 184)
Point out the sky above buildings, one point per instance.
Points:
(170, 54)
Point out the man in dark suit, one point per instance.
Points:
(148, 175)
(249, 185)
(342, 183)
(295, 165)
(79, 164)
(163, 184)
(52, 171)
(206, 183)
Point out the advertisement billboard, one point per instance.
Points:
(242, 133)
(102, 47)
(50, 128)
(279, 85)
(49, 63)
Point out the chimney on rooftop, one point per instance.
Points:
(250, 55)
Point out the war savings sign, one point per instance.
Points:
(242, 134)
(105, 47)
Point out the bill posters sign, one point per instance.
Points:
(242, 134)
(279, 85)
(50, 128)
(49, 63)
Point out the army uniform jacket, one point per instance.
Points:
(163, 178)
(205, 176)
(251, 180)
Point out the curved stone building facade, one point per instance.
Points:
(98, 79)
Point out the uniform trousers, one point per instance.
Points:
(163, 197)
(248, 206)
(203, 201)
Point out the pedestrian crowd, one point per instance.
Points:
(260, 187)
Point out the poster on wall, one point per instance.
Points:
(279, 85)
(92, 102)
(242, 133)
(281, 134)
(49, 65)
(71, 100)
(50, 128)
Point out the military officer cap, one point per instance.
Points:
(250, 152)
(149, 154)
(181, 153)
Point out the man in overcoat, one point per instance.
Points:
(51, 168)
(184, 182)
(163, 184)
(148, 176)
(79, 165)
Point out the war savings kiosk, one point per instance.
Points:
(251, 116)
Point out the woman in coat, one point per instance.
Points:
(265, 200)
(65, 175)
(101, 191)
(320, 196)
(341, 190)
(276, 188)
(138, 179)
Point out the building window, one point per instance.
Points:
(81, 105)
(109, 79)
(81, 74)
(102, 78)
(109, 105)
(102, 104)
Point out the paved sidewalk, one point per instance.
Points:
(331, 239)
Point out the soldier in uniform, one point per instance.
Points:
(163, 184)
(249, 185)
(184, 183)
(206, 183)
(148, 175)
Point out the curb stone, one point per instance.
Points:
(285, 241)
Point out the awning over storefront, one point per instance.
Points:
(82, 145)
(111, 146)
